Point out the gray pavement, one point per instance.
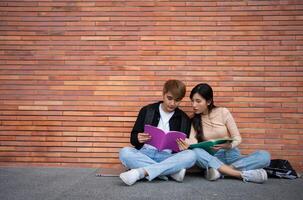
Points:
(81, 183)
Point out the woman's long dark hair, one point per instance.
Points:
(205, 91)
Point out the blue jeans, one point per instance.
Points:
(233, 157)
(155, 162)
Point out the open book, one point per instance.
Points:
(207, 145)
(163, 140)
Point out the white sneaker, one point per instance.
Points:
(212, 174)
(256, 176)
(130, 177)
(178, 176)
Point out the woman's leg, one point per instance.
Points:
(247, 168)
(256, 160)
(228, 170)
(205, 160)
(228, 156)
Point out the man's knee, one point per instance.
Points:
(125, 153)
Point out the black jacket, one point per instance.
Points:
(174, 122)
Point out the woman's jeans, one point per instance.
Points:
(233, 157)
(156, 163)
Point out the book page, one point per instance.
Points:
(171, 140)
(157, 136)
(162, 140)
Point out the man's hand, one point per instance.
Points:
(182, 144)
(143, 137)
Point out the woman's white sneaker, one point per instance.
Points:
(179, 176)
(255, 176)
(212, 174)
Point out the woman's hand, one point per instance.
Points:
(183, 145)
(222, 146)
(143, 137)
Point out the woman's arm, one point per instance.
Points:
(192, 137)
(232, 128)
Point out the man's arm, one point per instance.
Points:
(138, 128)
(187, 124)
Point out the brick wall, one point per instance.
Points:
(75, 73)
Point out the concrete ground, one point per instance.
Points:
(81, 183)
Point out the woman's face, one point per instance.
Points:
(199, 104)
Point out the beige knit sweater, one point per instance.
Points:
(219, 123)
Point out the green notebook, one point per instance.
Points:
(207, 145)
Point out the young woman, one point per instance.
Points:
(211, 122)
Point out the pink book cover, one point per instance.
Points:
(163, 140)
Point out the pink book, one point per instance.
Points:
(163, 140)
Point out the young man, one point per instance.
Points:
(145, 161)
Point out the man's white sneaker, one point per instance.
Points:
(256, 176)
(212, 174)
(130, 177)
(178, 176)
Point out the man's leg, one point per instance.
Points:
(133, 158)
(182, 160)
(137, 159)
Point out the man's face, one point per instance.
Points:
(169, 103)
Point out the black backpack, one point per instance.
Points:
(279, 168)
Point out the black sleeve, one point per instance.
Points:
(138, 128)
(188, 125)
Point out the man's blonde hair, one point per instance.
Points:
(176, 87)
